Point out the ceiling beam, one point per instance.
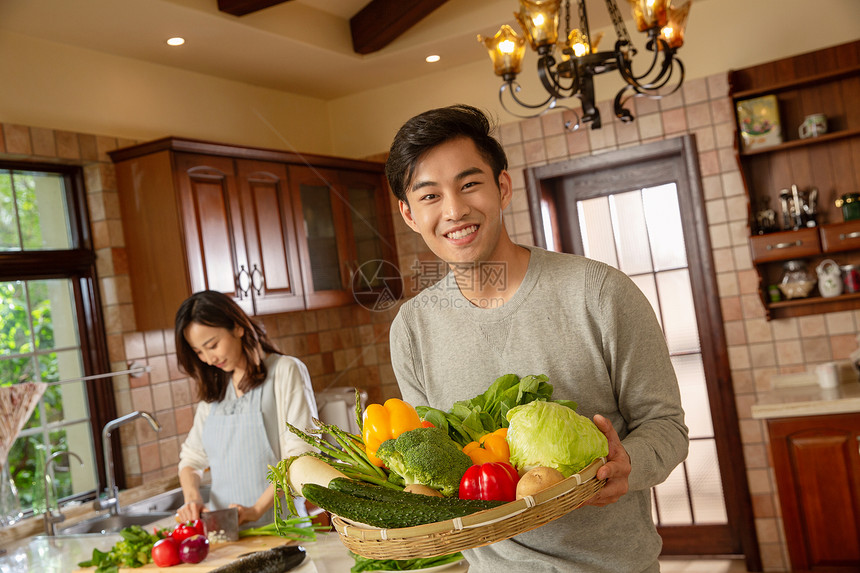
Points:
(382, 21)
(242, 7)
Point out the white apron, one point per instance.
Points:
(239, 452)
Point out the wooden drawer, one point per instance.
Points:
(786, 245)
(840, 237)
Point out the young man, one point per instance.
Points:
(506, 308)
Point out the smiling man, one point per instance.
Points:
(508, 308)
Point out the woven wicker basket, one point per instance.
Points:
(475, 530)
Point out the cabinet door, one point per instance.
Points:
(817, 467)
(212, 222)
(320, 214)
(270, 237)
(376, 281)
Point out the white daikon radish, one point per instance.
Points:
(308, 469)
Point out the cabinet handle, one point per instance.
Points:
(784, 245)
(854, 235)
(243, 291)
(257, 289)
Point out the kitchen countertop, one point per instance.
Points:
(61, 554)
(811, 400)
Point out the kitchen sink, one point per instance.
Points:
(112, 523)
(168, 501)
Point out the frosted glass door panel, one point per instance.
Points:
(631, 233)
(649, 288)
(598, 239)
(694, 395)
(679, 312)
(666, 238)
(706, 490)
(671, 504)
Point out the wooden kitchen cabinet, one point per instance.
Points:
(346, 233)
(828, 82)
(200, 215)
(817, 466)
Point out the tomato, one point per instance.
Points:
(185, 530)
(165, 552)
(492, 480)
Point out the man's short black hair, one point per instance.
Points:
(435, 127)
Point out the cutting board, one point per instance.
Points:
(219, 555)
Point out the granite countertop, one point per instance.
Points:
(810, 400)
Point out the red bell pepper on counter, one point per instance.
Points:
(493, 480)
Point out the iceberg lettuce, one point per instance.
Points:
(548, 434)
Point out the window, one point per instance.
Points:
(49, 328)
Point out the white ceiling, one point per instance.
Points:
(302, 46)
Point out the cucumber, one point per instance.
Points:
(388, 515)
(387, 495)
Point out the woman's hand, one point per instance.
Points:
(247, 513)
(189, 511)
(615, 471)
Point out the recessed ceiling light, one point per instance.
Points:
(175, 41)
(432, 59)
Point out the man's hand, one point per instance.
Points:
(615, 471)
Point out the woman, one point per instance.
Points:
(248, 390)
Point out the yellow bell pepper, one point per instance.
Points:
(385, 422)
(492, 447)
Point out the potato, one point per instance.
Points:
(537, 479)
(422, 490)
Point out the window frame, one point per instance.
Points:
(77, 264)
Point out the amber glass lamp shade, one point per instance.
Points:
(673, 31)
(506, 50)
(649, 13)
(539, 21)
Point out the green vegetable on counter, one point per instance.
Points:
(427, 456)
(549, 434)
(134, 550)
(298, 528)
(363, 564)
(468, 420)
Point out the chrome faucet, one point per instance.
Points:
(112, 500)
(51, 518)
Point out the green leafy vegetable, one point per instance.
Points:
(133, 550)
(550, 434)
(468, 420)
(363, 564)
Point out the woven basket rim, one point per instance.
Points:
(473, 530)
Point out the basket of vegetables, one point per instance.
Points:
(420, 482)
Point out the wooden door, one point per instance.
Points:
(817, 466)
(213, 226)
(319, 211)
(272, 254)
(643, 208)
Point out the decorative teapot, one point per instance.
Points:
(829, 278)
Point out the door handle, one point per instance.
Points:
(244, 291)
(254, 272)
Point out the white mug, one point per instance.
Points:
(827, 374)
(813, 126)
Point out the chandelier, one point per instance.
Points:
(572, 74)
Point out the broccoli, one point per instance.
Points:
(426, 456)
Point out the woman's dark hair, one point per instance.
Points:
(435, 127)
(212, 308)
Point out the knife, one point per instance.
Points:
(223, 522)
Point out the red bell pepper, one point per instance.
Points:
(493, 480)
